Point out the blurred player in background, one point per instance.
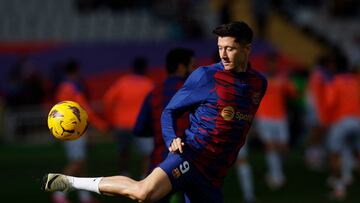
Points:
(179, 64)
(72, 88)
(122, 105)
(343, 99)
(271, 122)
(222, 100)
(317, 116)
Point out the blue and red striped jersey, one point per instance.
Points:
(148, 121)
(221, 106)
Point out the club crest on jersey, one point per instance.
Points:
(228, 113)
(176, 173)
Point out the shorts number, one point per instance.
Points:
(184, 167)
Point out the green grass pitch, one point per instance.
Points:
(22, 166)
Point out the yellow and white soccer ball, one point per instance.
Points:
(67, 120)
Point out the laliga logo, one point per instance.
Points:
(228, 113)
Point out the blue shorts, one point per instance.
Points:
(185, 177)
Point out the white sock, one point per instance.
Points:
(275, 166)
(88, 184)
(347, 164)
(245, 178)
(339, 184)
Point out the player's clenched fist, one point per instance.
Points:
(176, 145)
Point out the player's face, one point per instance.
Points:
(234, 56)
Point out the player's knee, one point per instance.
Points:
(140, 194)
(144, 192)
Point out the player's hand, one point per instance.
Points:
(176, 145)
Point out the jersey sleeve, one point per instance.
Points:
(143, 125)
(191, 94)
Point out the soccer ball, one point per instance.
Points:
(67, 120)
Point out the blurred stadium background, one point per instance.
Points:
(38, 36)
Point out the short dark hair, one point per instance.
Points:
(178, 56)
(139, 65)
(238, 29)
(71, 66)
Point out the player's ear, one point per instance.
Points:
(248, 46)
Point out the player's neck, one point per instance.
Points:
(241, 68)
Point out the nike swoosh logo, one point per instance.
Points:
(52, 180)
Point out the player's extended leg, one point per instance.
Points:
(152, 188)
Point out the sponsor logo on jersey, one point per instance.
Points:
(242, 116)
(229, 113)
(176, 173)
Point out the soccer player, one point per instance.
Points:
(271, 122)
(179, 64)
(343, 98)
(222, 100)
(122, 103)
(318, 117)
(72, 89)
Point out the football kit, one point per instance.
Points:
(221, 106)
